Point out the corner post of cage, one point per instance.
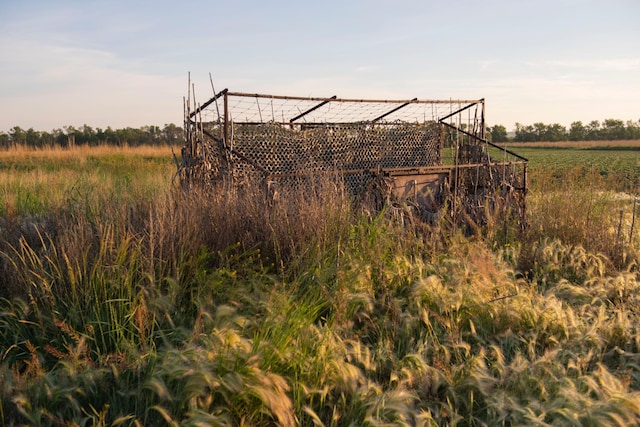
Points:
(225, 125)
(482, 124)
(225, 139)
(524, 196)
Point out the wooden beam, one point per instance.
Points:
(299, 116)
(393, 111)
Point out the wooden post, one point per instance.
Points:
(226, 120)
(195, 126)
(482, 126)
(633, 219)
(618, 239)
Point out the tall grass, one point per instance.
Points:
(34, 182)
(228, 307)
(581, 207)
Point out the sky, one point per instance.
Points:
(126, 63)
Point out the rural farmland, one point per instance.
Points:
(126, 301)
(618, 160)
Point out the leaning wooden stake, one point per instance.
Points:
(633, 219)
(618, 239)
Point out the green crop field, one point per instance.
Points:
(619, 165)
(622, 160)
(127, 301)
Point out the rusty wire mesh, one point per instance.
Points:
(245, 137)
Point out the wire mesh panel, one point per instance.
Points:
(279, 150)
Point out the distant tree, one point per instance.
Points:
(633, 129)
(17, 135)
(47, 139)
(613, 129)
(577, 132)
(593, 131)
(172, 134)
(554, 133)
(88, 135)
(5, 142)
(60, 138)
(540, 131)
(111, 136)
(524, 133)
(498, 133)
(153, 134)
(133, 137)
(32, 138)
(73, 135)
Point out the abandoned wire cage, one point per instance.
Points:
(431, 155)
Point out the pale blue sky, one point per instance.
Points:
(125, 63)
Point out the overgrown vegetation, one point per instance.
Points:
(140, 304)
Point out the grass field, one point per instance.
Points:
(37, 181)
(125, 301)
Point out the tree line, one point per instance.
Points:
(608, 130)
(86, 135)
